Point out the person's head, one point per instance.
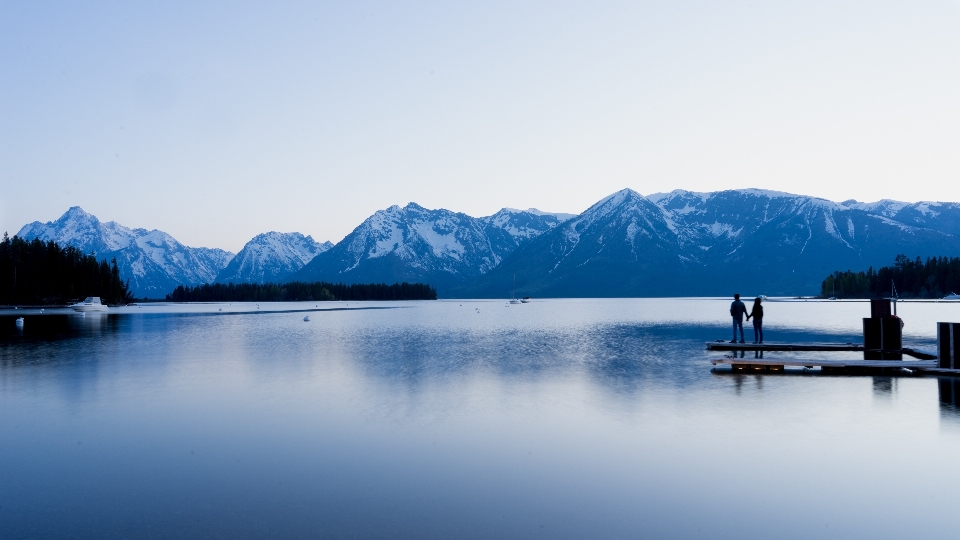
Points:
(757, 301)
(736, 296)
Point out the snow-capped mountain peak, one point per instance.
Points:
(271, 257)
(153, 261)
(524, 224)
(74, 228)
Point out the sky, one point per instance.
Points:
(217, 121)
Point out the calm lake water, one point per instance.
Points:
(463, 419)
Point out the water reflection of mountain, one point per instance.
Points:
(618, 356)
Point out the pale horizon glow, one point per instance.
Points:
(216, 122)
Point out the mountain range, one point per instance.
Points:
(680, 243)
(440, 247)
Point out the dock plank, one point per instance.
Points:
(818, 347)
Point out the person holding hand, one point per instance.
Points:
(757, 315)
(737, 311)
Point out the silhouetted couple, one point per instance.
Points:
(738, 310)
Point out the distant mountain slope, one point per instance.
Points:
(938, 216)
(153, 261)
(271, 257)
(687, 243)
(440, 247)
(622, 245)
(782, 243)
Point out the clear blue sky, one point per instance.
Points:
(217, 121)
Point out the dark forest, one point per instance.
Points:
(933, 278)
(44, 273)
(298, 291)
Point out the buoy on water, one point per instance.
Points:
(20, 322)
(306, 319)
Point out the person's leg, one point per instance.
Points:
(756, 330)
(734, 340)
(740, 326)
(760, 329)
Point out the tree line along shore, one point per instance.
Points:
(39, 273)
(297, 291)
(934, 278)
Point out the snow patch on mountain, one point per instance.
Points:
(884, 207)
(440, 236)
(559, 215)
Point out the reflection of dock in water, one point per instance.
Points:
(760, 364)
(949, 390)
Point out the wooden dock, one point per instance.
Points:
(761, 364)
(810, 347)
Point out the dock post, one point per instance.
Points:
(946, 345)
(882, 333)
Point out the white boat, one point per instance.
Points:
(526, 300)
(514, 300)
(90, 303)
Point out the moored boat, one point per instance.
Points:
(90, 303)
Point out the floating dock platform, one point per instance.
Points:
(811, 347)
(750, 365)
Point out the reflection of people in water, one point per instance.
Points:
(737, 311)
(757, 314)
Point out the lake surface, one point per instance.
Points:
(463, 419)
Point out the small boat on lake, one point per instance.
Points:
(952, 296)
(90, 303)
(514, 299)
(526, 300)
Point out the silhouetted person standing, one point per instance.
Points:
(757, 315)
(737, 311)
